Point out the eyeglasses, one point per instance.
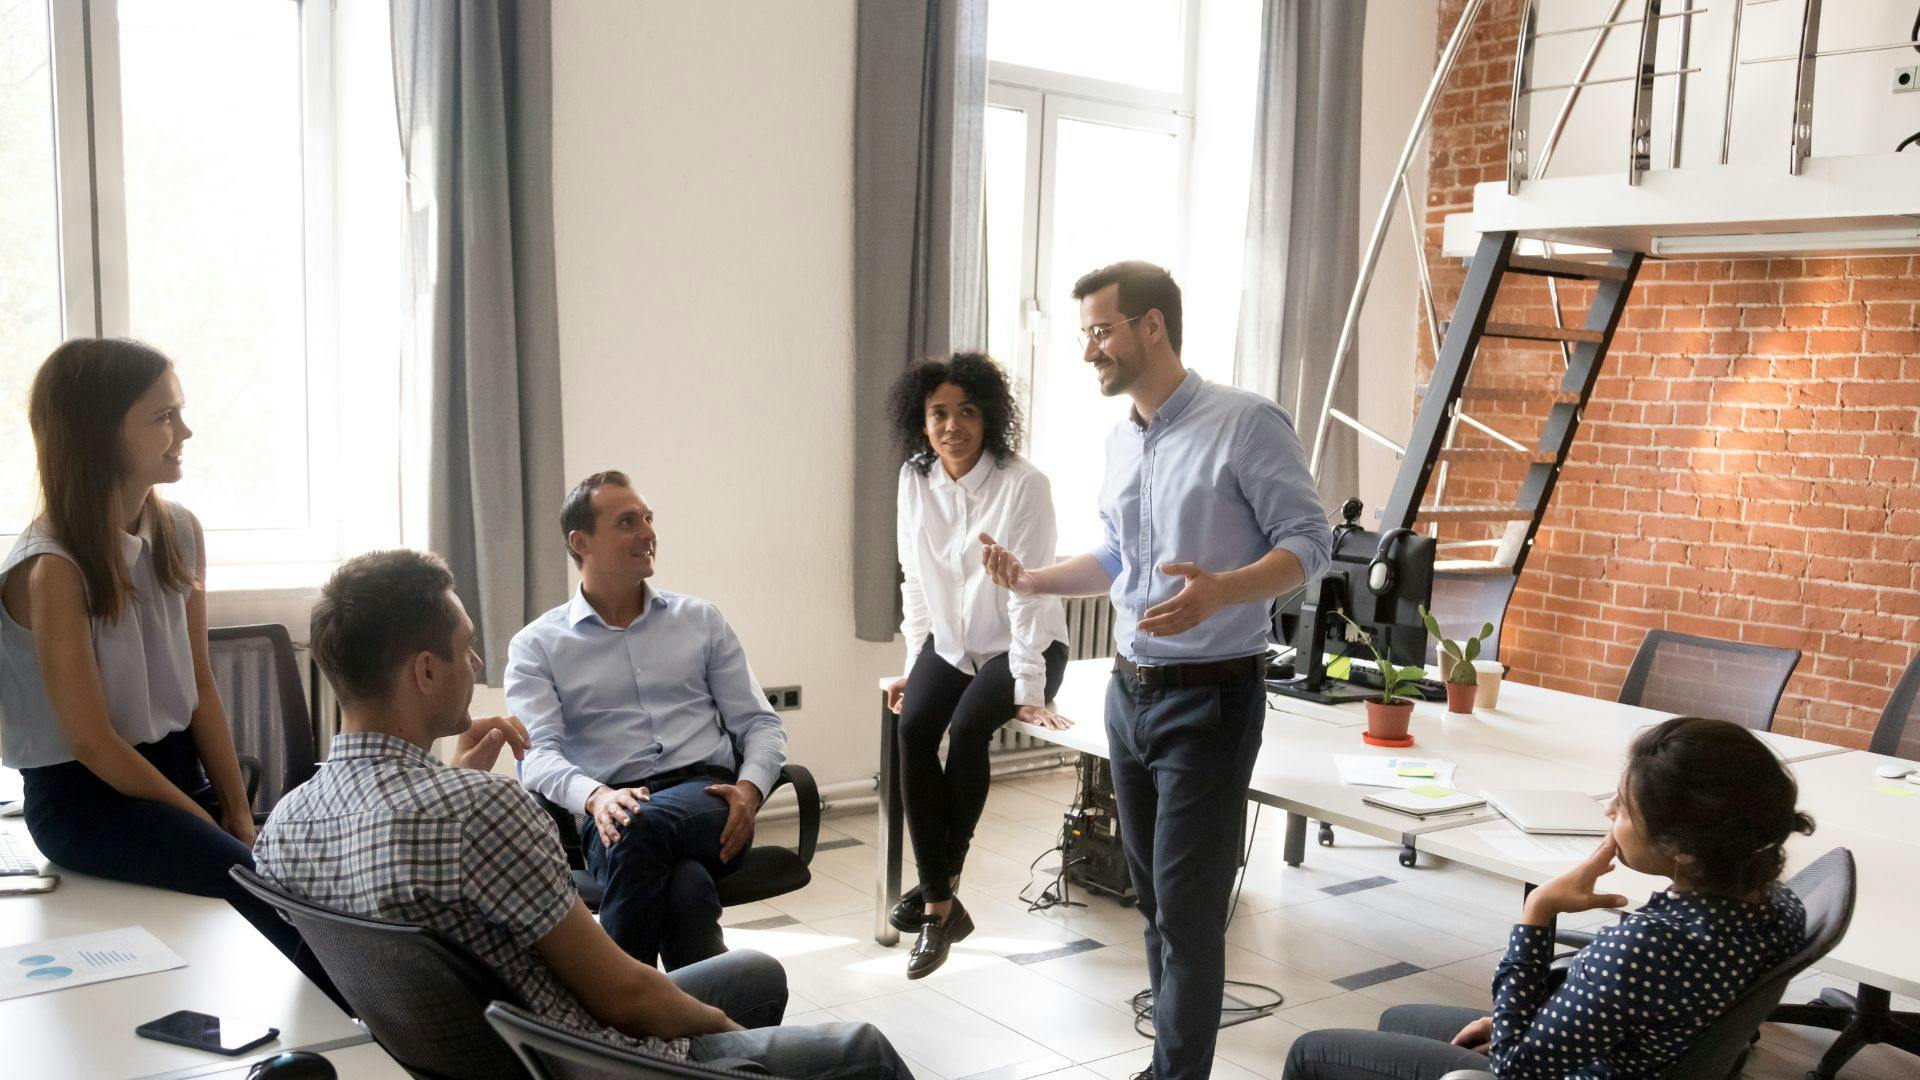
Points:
(1098, 335)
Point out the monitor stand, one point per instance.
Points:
(1327, 596)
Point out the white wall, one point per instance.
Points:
(703, 158)
(1397, 64)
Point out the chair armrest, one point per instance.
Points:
(1468, 1074)
(569, 827)
(807, 794)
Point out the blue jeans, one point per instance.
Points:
(751, 988)
(1415, 1042)
(1182, 758)
(661, 904)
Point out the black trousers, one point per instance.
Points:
(83, 824)
(944, 805)
(1182, 758)
(1415, 1042)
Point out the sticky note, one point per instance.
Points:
(1431, 791)
(1898, 792)
(1416, 772)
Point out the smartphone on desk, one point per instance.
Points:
(210, 1033)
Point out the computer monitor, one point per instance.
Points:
(1310, 620)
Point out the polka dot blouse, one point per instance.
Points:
(1636, 996)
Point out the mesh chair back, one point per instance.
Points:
(551, 1052)
(1898, 732)
(1462, 602)
(423, 998)
(266, 704)
(1701, 676)
(1826, 888)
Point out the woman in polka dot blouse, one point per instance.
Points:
(1703, 802)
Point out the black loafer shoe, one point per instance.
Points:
(930, 950)
(909, 911)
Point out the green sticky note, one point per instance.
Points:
(1431, 791)
(1897, 792)
(1416, 772)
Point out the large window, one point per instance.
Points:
(167, 172)
(1089, 158)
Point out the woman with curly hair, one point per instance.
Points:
(977, 655)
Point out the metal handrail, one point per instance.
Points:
(1612, 22)
(1609, 79)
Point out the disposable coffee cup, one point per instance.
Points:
(1488, 673)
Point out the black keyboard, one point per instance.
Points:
(1423, 688)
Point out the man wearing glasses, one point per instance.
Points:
(1210, 513)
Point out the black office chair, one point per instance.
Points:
(1826, 888)
(1461, 598)
(422, 997)
(1867, 1016)
(1702, 676)
(266, 705)
(551, 1052)
(765, 870)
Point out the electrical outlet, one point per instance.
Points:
(1906, 80)
(783, 698)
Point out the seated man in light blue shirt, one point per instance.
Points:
(645, 718)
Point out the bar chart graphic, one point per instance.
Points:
(45, 966)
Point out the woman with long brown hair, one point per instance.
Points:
(107, 701)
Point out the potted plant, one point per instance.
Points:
(1456, 663)
(1388, 715)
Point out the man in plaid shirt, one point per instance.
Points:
(386, 830)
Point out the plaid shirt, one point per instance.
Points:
(388, 831)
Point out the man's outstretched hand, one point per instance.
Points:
(1004, 568)
(1195, 603)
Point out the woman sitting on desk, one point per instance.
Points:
(1703, 802)
(107, 701)
(977, 655)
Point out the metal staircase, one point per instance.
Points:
(1430, 447)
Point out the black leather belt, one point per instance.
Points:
(713, 774)
(1175, 676)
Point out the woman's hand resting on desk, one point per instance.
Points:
(896, 694)
(1041, 716)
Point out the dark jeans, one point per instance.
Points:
(661, 903)
(751, 988)
(83, 824)
(1181, 762)
(1414, 1043)
(942, 808)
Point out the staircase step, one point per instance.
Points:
(1563, 268)
(1470, 567)
(1523, 332)
(1496, 453)
(1473, 512)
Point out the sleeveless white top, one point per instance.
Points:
(145, 658)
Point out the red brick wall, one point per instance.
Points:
(1747, 469)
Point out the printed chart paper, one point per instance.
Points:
(82, 959)
(1525, 847)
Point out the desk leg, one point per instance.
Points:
(886, 886)
(1295, 851)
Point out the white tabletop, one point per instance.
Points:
(231, 971)
(1844, 792)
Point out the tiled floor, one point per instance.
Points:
(1342, 937)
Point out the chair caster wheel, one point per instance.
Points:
(1408, 857)
(1326, 835)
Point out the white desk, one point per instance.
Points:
(1842, 792)
(87, 1032)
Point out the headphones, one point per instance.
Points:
(1380, 575)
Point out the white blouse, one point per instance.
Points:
(145, 658)
(947, 592)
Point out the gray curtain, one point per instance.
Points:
(473, 86)
(1303, 221)
(920, 96)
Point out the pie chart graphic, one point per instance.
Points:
(49, 974)
(35, 961)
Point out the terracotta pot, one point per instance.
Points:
(1388, 721)
(1460, 697)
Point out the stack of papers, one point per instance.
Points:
(81, 959)
(1367, 770)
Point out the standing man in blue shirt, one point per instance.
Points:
(645, 718)
(1210, 513)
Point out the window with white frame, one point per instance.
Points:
(1090, 157)
(169, 172)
